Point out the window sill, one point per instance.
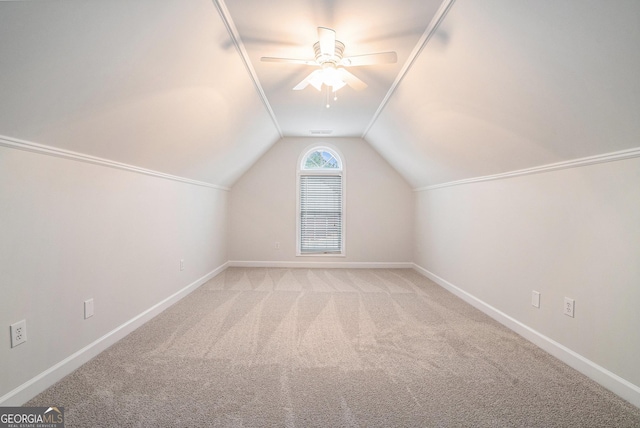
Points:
(320, 255)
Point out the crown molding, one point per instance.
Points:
(422, 42)
(29, 146)
(237, 42)
(574, 163)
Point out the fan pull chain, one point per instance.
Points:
(335, 97)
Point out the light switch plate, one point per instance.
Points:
(88, 308)
(535, 299)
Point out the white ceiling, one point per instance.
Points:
(177, 86)
(150, 83)
(507, 85)
(285, 28)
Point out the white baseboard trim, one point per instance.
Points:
(44, 380)
(322, 265)
(604, 377)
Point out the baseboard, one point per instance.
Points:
(44, 380)
(322, 265)
(604, 377)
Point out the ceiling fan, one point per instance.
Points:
(332, 64)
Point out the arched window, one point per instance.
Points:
(321, 158)
(320, 203)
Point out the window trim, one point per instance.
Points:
(329, 171)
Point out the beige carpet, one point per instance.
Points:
(329, 348)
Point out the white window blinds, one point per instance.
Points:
(320, 214)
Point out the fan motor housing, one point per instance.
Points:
(337, 55)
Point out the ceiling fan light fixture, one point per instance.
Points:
(331, 76)
(328, 75)
(316, 79)
(329, 57)
(337, 85)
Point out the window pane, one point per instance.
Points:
(320, 214)
(321, 159)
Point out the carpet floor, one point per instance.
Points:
(257, 347)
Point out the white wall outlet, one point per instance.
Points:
(535, 299)
(569, 307)
(18, 333)
(181, 264)
(88, 308)
(276, 245)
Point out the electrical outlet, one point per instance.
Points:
(18, 333)
(276, 245)
(535, 299)
(88, 308)
(181, 264)
(569, 307)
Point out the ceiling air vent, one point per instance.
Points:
(321, 131)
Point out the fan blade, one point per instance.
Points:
(314, 79)
(327, 39)
(351, 80)
(370, 59)
(289, 60)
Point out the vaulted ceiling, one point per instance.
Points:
(177, 86)
(283, 28)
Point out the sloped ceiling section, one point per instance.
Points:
(155, 84)
(506, 85)
(287, 28)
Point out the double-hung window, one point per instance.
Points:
(321, 203)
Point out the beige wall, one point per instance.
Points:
(572, 232)
(71, 231)
(379, 207)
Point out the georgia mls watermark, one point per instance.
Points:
(31, 417)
